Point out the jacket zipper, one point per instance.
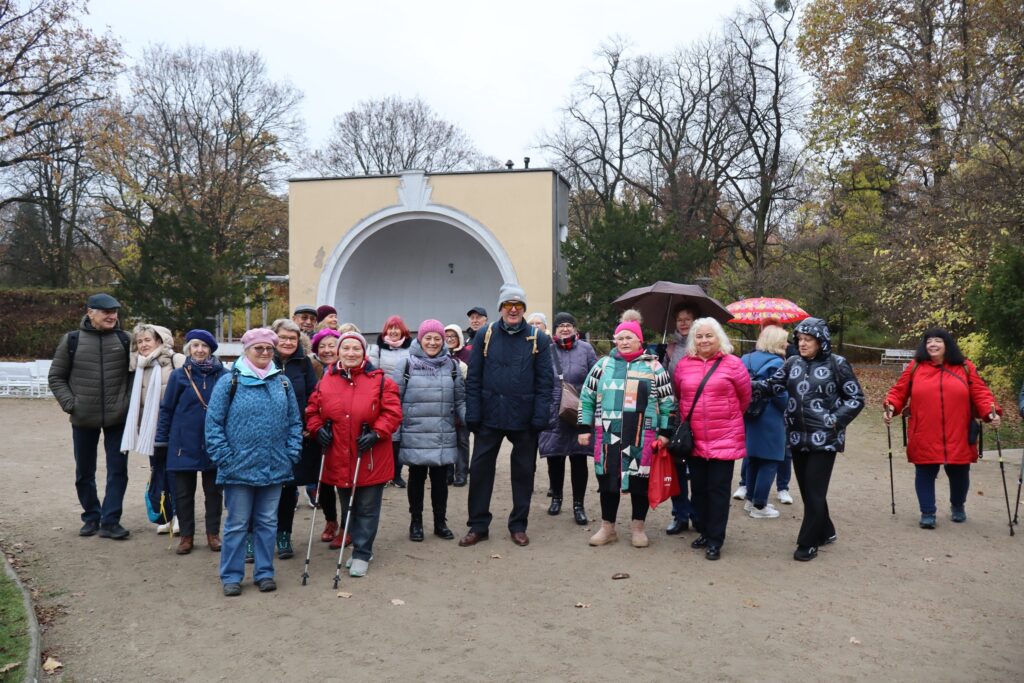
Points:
(942, 408)
(103, 384)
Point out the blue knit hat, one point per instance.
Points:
(203, 336)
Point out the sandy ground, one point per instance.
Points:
(888, 600)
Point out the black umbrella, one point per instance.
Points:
(656, 303)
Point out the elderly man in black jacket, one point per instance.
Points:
(91, 381)
(508, 396)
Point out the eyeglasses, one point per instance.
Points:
(565, 326)
(263, 350)
(517, 305)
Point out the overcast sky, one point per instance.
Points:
(500, 70)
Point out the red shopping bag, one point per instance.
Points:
(663, 483)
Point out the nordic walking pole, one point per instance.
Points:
(316, 502)
(892, 485)
(348, 516)
(1020, 480)
(1002, 471)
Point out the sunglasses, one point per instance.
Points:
(518, 305)
(263, 350)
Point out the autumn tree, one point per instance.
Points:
(51, 67)
(393, 134)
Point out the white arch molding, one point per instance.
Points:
(414, 196)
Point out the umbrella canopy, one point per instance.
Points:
(657, 302)
(757, 310)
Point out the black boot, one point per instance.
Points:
(556, 505)
(416, 528)
(441, 529)
(578, 513)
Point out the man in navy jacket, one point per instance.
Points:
(508, 396)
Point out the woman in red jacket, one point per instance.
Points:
(719, 439)
(355, 409)
(946, 394)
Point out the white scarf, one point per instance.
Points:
(140, 435)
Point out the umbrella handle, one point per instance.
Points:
(668, 314)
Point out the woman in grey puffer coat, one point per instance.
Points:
(573, 359)
(433, 394)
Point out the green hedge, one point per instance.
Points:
(33, 320)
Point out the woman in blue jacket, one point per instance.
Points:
(254, 437)
(765, 425)
(181, 430)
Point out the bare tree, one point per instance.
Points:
(394, 134)
(50, 66)
(203, 132)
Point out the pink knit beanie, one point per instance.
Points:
(631, 326)
(428, 326)
(259, 335)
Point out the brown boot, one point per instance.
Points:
(184, 545)
(639, 539)
(213, 540)
(605, 535)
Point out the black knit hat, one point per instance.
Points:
(564, 317)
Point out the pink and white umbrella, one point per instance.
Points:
(762, 309)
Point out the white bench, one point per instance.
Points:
(896, 356)
(17, 379)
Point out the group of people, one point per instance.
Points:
(310, 403)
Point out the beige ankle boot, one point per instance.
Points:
(605, 535)
(639, 539)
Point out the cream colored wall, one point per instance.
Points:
(319, 215)
(516, 207)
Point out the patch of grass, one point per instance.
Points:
(14, 639)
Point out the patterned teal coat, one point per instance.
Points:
(629, 404)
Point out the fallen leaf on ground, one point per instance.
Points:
(582, 605)
(750, 603)
(77, 594)
(56, 528)
(929, 559)
(854, 641)
(344, 594)
(51, 665)
(9, 667)
(619, 575)
(495, 556)
(398, 601)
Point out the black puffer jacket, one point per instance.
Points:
(824, 394)
(94, 390)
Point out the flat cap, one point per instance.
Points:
(103, 302)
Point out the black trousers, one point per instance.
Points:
(286, 507)
(579, 472)
(328, 502)
(813, 473)
(710, 481)
(637, 495)
(462, 462)
(185, 501)
(438, 490)
(481, 477)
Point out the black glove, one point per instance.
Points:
(325, 436)
(366, 441)
(160, 452)
(473, 427)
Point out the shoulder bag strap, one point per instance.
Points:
(554, 358)
(701, 388)
(188, 373)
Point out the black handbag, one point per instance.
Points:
(681, 443)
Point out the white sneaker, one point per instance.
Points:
(163, 528)
(348, 562)
(769, 512)
(740, 493)
(358, 568)
(748, 505)
(784, 497)
(174, 525)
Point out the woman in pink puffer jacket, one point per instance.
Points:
(717, 424)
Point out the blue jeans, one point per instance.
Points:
(245, 504)
(924, 482)
(760, 475)
(365, 518)
(86, 440)
(785, 471)
(682, 509)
